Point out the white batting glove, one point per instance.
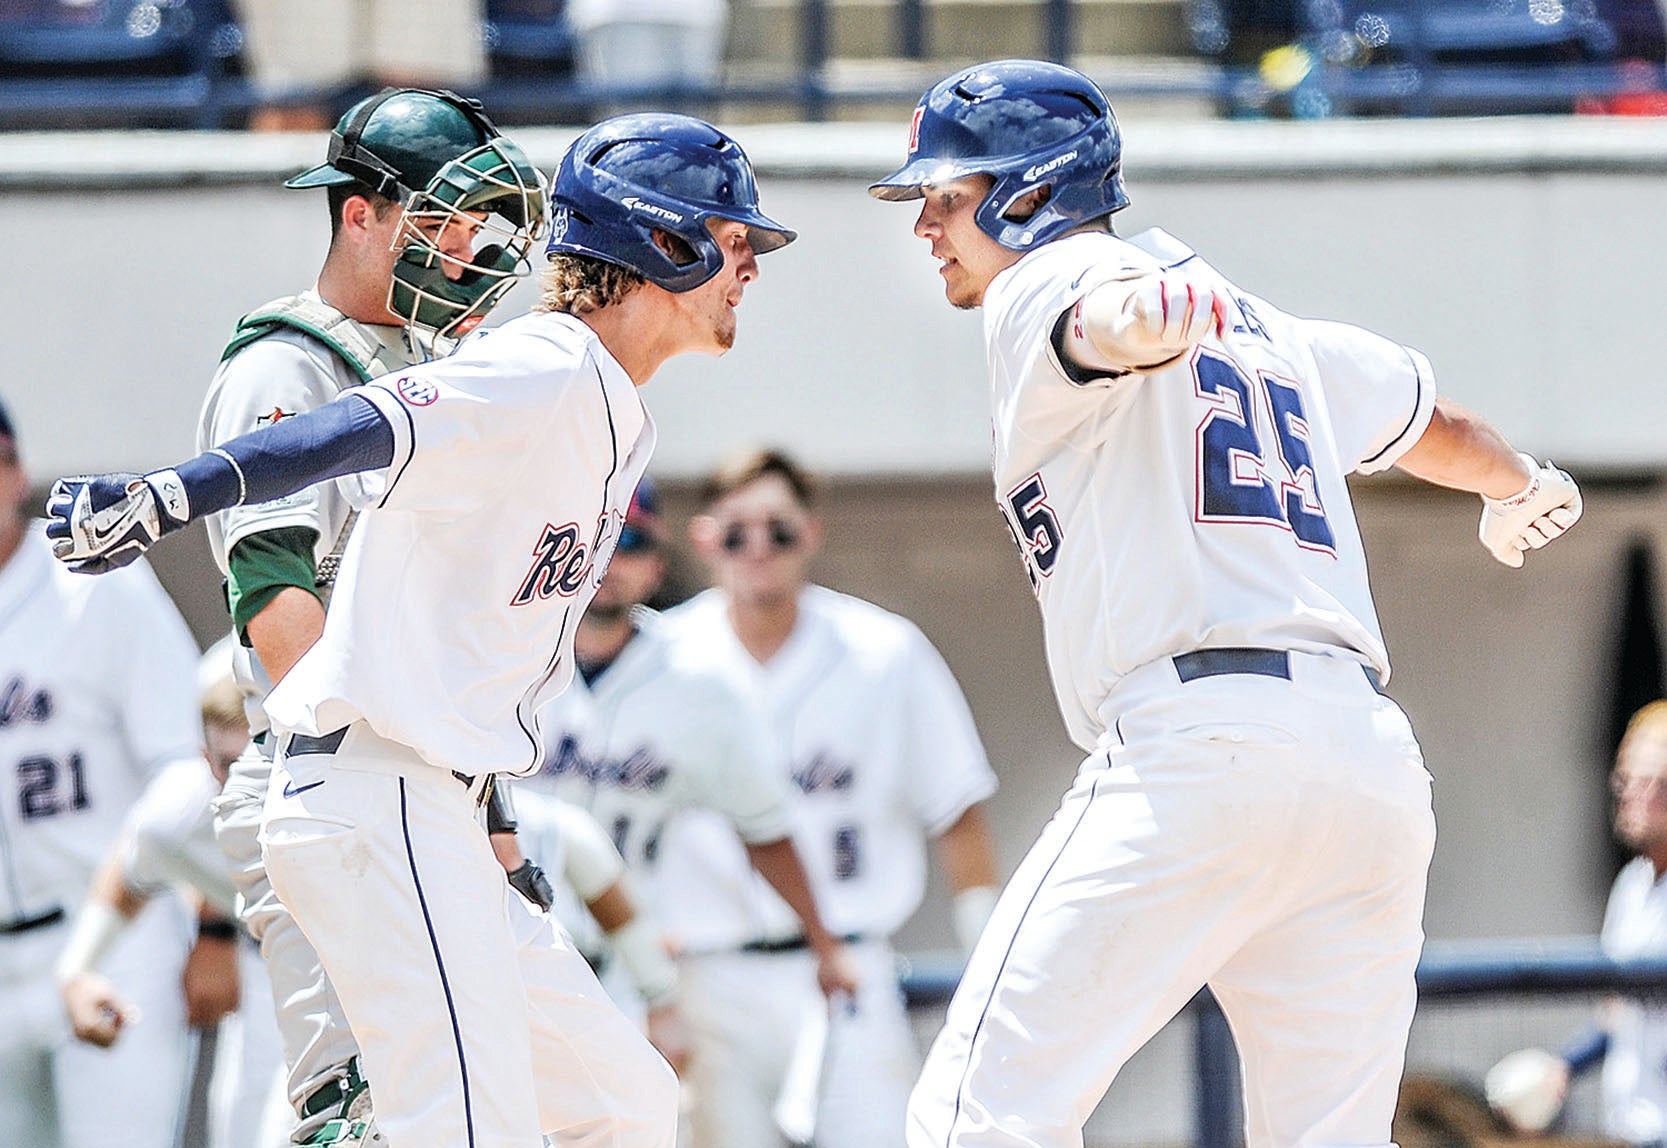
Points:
(1542, 511)
(1175, 313)
(100, 522)
(1528, 1088)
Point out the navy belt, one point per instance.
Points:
(1246, 660)
(792, 944)
(28, 924)
(1233, 660)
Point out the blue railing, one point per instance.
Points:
(1449, 971)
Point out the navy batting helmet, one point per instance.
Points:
(634, 174)
(1029, 124)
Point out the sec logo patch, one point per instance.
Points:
(417, 392)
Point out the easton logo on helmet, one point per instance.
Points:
(647, 208)
(558, 224)
(1042, 169)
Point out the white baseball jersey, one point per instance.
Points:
(1199, 504)
(282, 374)
(874, 735)
(98, 682)
(664, 729)
(168, 837)
(485, 538)
(1635, 1067)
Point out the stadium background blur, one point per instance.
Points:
(1523, 253)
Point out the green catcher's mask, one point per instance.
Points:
(473, 203)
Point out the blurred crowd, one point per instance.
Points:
(278, 65)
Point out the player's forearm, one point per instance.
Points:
(1140, 322)
(612, 908)
(285, 629)
(778, 863)
(967, 851)
(1463, 451)
(109, 886)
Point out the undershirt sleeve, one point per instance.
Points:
(262, 565)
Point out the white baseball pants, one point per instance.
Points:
(247, 1061)
(478, 1025)
(744, 1012)
(57, 1092)
(313, 1030)
(1267, 837)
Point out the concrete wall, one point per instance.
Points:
(1523, 256)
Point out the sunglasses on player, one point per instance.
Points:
(778, 535)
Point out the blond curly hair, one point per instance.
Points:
(577, 284)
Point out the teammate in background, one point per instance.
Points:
(168, 841)
(494, 484)
(1528, 1088)
(96, 697)
(417, 182)
(648, 731)
(871, 730)
(594, 903)
(1254, 814)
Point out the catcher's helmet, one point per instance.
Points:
(631, 175)
(1029, 124)
(438, 156)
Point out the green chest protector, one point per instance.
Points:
(362, 351)
(365, 354)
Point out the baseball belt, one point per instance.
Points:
(793, 944)
(1246, 660)
(31, 922)
(301, 745)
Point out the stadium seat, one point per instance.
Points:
(117, 62)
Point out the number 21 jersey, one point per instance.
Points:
(1200, 503)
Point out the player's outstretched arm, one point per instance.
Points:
(100, 522)
(1524, 504)
(1140, 323)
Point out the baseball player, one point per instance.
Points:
(649, 731)
(97, 683)
(1170, 454)
(493, 483)
(167, 840)
(405, 272)
(1528, 1087)
(870, 729)
(594, 903)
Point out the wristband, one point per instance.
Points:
(216, 929)
(971, 909)
(96, 928)
(639, 949)
(1522, 496)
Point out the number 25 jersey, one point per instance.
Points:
(1199, 503)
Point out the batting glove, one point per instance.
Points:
(1176, 313)
(102, 521)
(529, 881)
(1542, 511)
